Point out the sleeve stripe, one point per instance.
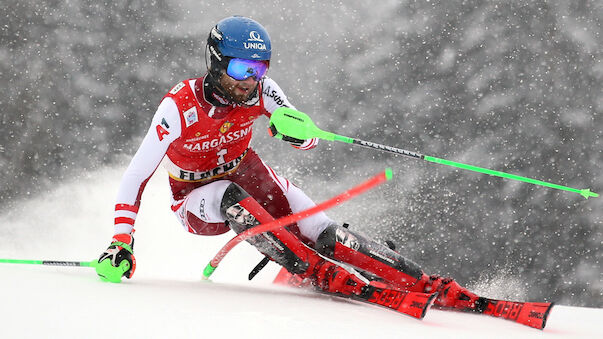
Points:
(308, 144)
(122, 220)
(126, 207)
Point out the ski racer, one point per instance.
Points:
(202, 131)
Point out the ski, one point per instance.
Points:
(533, 314)
(414, 304)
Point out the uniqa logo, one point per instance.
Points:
(255, 45)
(256, 41)
(255, 36)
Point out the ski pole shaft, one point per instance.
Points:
(295, 124)
(48, 262)
(586, 193)
(272, 225)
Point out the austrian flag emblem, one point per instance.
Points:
(190, 116)
(225, 127)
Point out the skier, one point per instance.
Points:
(202, 130)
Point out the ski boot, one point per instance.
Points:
(450, 293)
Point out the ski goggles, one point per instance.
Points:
(241, 69)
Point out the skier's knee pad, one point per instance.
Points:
(239, 219)
(233, 194)
(241, 212)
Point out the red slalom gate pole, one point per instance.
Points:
(270, 226)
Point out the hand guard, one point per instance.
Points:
(304, 144)
(117, 260)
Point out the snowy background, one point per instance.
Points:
(510, 85)
(167, 299)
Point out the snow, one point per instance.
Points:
(166, 297)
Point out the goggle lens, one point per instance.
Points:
(241, 69)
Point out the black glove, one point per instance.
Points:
(293, 141)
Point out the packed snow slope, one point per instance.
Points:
(167, 299)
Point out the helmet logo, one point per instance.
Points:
(255, 41)
(216, 54)
(255, 36)
(216, 34)
(255, 45)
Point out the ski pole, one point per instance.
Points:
(272, 225)
(49, 262)
(287, 123)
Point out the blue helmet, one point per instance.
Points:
(238, 37)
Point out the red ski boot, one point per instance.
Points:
(333, 278)
(450, 293)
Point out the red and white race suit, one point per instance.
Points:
(204, 148)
